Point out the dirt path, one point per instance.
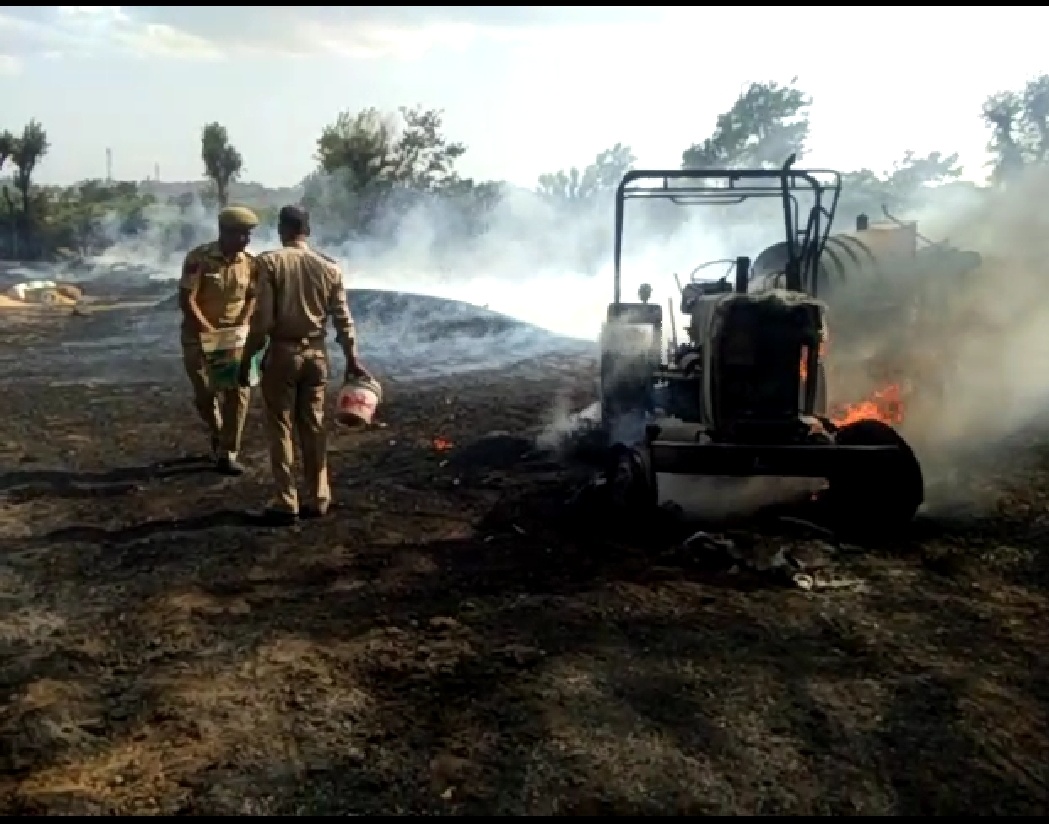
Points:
(448, 642)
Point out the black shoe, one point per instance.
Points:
(277, 517)
(313, 512)
(229, 466)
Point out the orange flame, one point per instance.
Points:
(885, 405)
(441, 445)
(804, 369)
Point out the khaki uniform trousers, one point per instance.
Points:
(223, 411)
(294, 377)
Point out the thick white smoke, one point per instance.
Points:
(537, 264)
(532, 262)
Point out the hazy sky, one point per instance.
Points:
(528, 89)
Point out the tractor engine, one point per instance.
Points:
(743, 375)
(755, 355)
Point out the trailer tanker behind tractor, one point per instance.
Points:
(898, 300)
(746, 394)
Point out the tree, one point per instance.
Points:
(377, 149)
(472, 205)
(26, 153)
(913, 173)
(1002, 112)
(1036, 117)
(425, 158)
(1019, 123)
(222, 162)
(378, 161)
(361, 147)
(7, 147)
(910, 177)
(29, 149)
(598, 179)
(762, 128)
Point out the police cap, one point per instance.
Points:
(237, 217)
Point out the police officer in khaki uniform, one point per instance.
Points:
(298, 289)
(217, 291)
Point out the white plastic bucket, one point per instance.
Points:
(358, 400)
(223, 349)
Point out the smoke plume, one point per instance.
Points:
(541, 264)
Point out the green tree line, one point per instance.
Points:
(374, 167)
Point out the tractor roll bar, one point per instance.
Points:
(733, 186)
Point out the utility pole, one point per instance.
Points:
(109, 165)
(156, 171)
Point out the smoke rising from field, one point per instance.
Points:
(982, 369)
(534, 261)
(552, 269)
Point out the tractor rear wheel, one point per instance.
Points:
(631, 486)
(870, 504)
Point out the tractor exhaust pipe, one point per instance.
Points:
(742, 274)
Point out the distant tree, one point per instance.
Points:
(26, 152)
(866, 191)
(912, 173)
(361, 146)
(8, 142)
(375, 149)
(599, 178)
(1019, 124)
(425, 157)
(1003, 113)
(29, 149)
(762, 128)
(7, 147)
(378, 161)
(222, 162)
(474, 203)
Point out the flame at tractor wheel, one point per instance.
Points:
(885, 405)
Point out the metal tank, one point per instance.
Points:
(871, 253)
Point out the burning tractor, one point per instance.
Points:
(746, 394)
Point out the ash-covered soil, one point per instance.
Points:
(456, 638)
(410, 336)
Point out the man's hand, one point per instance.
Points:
(355, 369)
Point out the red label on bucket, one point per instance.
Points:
(356, 404)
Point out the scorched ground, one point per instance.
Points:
(454, 640)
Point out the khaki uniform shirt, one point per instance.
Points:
(223, 286)
(298, 288)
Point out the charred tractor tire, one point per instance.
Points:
(867, 504)
(631, 485)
